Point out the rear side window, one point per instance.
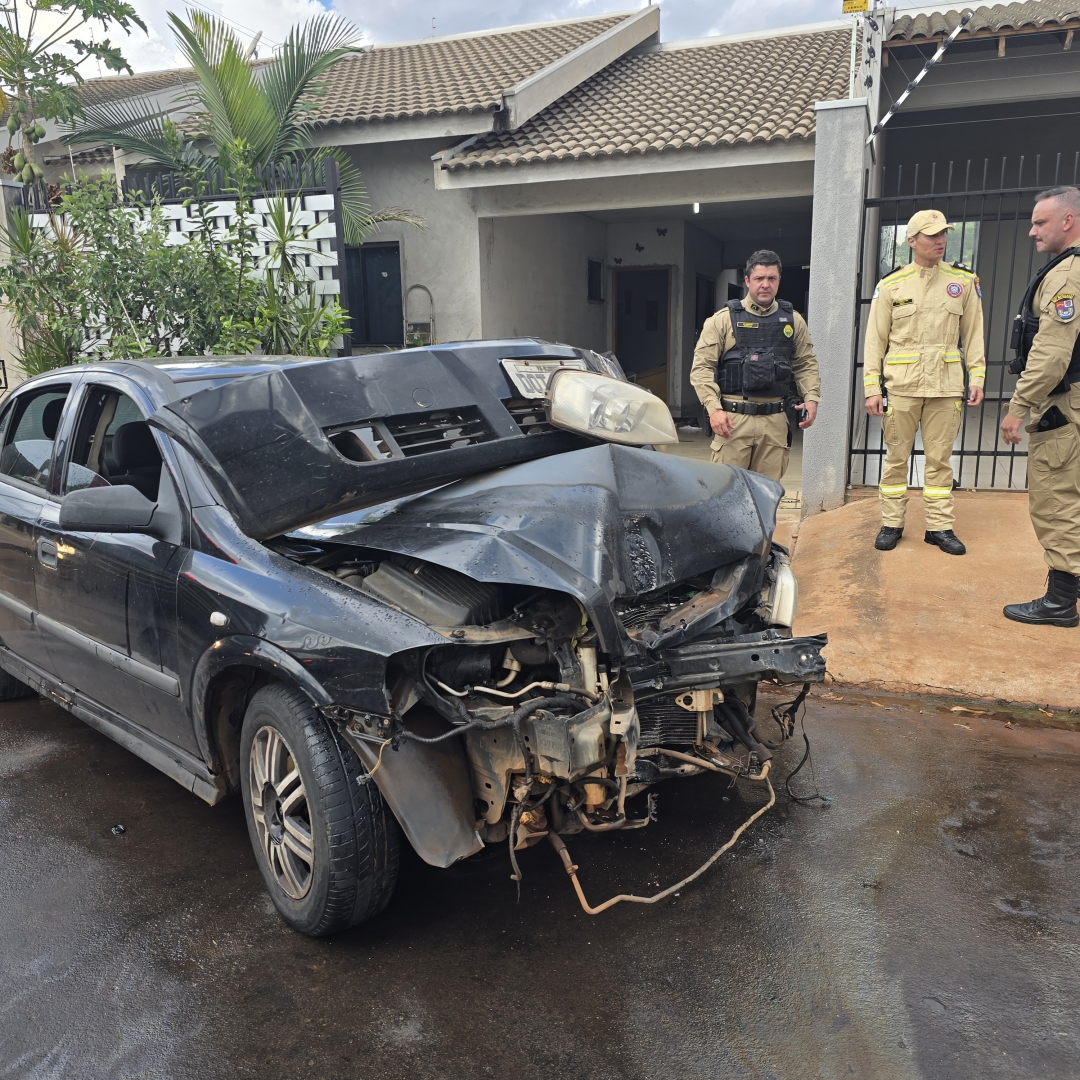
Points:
(31, 432)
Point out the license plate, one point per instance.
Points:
(531, 377)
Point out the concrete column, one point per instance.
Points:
(840, 161)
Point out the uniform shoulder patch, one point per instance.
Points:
(978, 288)
(1064, 305)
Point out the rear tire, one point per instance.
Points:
(12, 689)
(325, 842)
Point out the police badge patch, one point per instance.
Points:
(1064, 306)
(788, 332)
(954, 289)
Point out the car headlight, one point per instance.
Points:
(606, 409)
(783, 602)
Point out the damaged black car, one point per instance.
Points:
(451, 594)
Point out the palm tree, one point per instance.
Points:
(244, 113)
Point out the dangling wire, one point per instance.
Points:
(784, 714)
(786, 720)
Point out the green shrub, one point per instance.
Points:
(103, 281)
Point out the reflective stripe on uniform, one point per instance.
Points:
(902, 358)
(892, 489)
(871, 380)
(977, 372)
(936, 492)
(951, 356)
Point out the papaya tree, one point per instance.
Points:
(43, 49)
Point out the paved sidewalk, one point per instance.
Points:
(916, 619)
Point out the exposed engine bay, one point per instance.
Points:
(522, 726)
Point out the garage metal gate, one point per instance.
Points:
(990, 201)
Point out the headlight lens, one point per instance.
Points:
(606, 409)
(784, 601)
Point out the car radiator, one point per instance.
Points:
(663, 723)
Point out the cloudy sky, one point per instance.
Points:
(404, 20)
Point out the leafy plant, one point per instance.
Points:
(110, 279)
(40, 62)
(245, 114)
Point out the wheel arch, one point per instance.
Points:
(226, 677)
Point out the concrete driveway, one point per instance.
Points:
(925, 923)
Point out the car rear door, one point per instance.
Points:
(29, 427)
(108, 600)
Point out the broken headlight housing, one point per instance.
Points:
(782, 599)
(617, 412)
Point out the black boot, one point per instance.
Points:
(947, 540)
(888, 538)
(1056, 608)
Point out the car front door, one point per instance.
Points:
(108, 599)
(28, 431)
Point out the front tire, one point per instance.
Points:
(325, 842)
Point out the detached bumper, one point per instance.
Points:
(788, 660)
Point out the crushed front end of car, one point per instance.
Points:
(606, 615)
(566, 623)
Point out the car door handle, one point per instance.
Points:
(46, 552)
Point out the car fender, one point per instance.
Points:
(244, 650)
(428, 788)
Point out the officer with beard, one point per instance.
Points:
(1047, 340)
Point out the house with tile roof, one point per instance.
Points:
(579, 180)
(583, 181)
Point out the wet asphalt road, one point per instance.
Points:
(926, 923)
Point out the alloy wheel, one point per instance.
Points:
(281, 813)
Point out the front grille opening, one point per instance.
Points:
(530, 416)
(412, 434)
(450, 429)
(363, 444)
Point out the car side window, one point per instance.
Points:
(113, 445)
(31, 432)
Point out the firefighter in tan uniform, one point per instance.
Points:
(1047, 341)
(919, 316)
(754, 361)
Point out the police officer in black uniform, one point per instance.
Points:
(754, 364)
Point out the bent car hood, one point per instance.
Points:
(598, 523)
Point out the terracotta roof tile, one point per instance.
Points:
(1033, 15)
(424, 78)
(118, 87)
(435, 78)
(728, 93)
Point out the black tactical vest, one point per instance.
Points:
(760, 363)
(1026, 326)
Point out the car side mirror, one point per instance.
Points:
(107, 509)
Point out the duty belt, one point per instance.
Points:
(754, 408)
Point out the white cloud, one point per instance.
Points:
(402, 20)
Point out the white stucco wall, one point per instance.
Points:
(445, 254)
(533, 274)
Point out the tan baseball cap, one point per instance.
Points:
(929, 222)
